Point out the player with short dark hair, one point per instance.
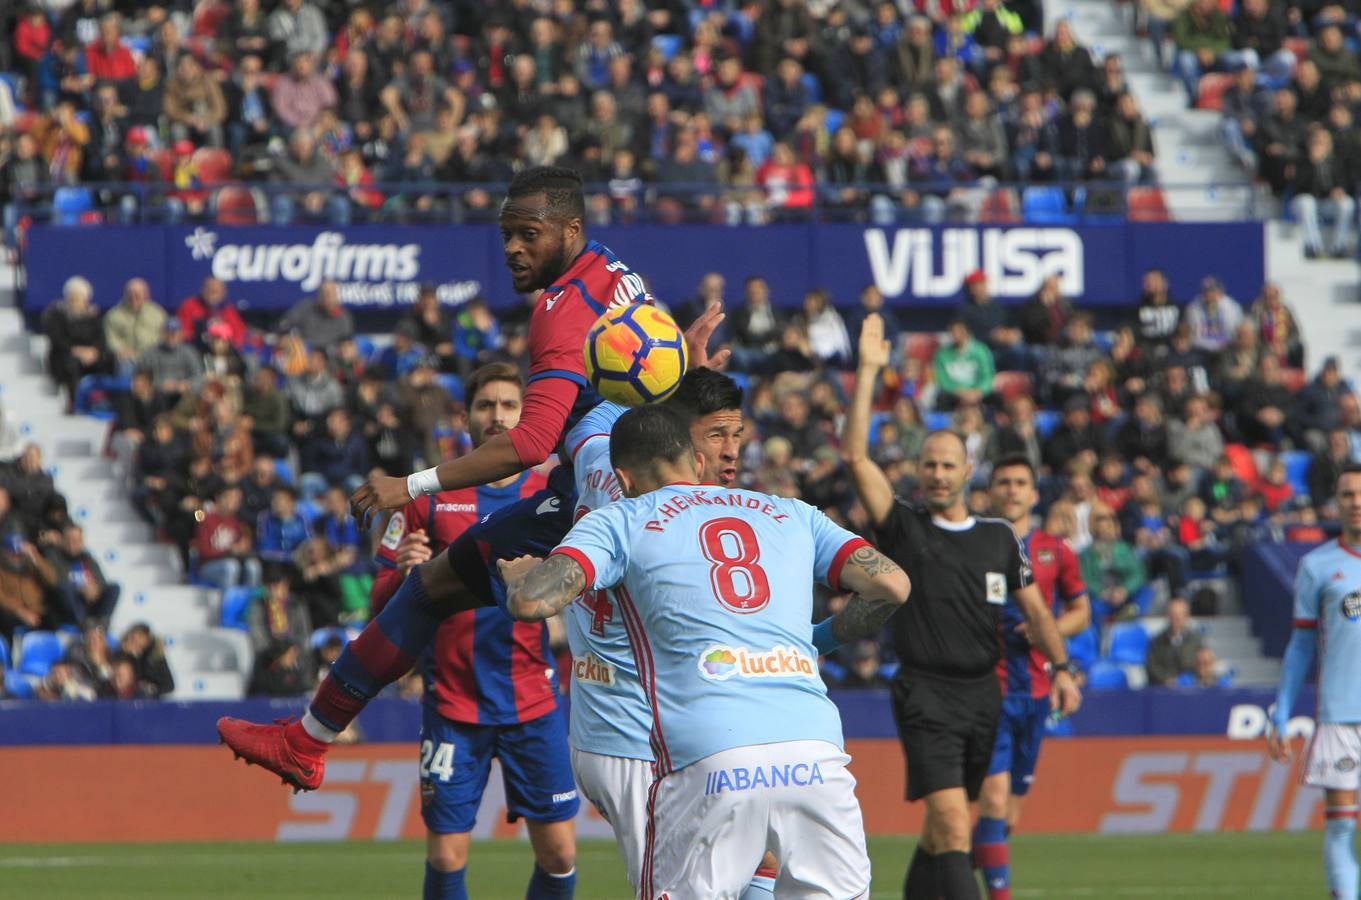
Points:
(1024, 671)
(714, 586)
(1327, 618)
(485, 691)
(946, 696)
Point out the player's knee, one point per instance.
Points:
(446, 856)
(994, 798)
(555, 847)
(949, 830)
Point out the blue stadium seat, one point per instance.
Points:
(1129, 643)
(18, 685)
(1106, 676)
(935, 421)
(668, 44)
(70, 203)
(1085, 648)
(812, 86)
(4, 653)
(451, 383)
(95, 395)
(309, 510)
(834, 119)
(322, 635)
(284, 471)
(1297, 470)
(1045, 205)
(1046, 420)
(236, 603)
(366, 347)
(38, 651)
(877, 419)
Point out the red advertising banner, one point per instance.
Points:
(157, 793)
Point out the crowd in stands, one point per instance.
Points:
(1164, 446)
(883, 110)
(1287, 78)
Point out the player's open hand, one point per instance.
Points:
(697, 339)
(1065, 698)
(380, 492)
(512, 570)
(1278, 745)
(874, 350)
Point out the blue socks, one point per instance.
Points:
(762, 887)
(444, 885)
(542, 885)
(993, 856)
(1339, 852)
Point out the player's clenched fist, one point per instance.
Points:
(413, 550)
(380, 492)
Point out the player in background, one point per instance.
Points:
(714, 586)
(486, 693)
(946, 696)
(1327, 618)
(1024, 671)
(610, 721)
(546, 249)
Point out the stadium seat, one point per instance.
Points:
(213, 165)
(1244, 466)
(1294, 379)
(366, 347)
(1106, 676)
(38, 652)
(813, 86)
(284, 471)
(235, 206)
(1129, 643)
(322, 635)
(69, 204)
(834, 119)
(668, 44)
(1297, 470)
(1210, 92)
(936, 421)
(451, 383)
(1046, 420)
(877, 419)
(308, 509)
(1084, 648)
(1147, 204)
(212, 650)
(236, 603)
(1045, 206)
(921, 345)
(18, 685)
(4, 653)
(95, 394)
(1012, 385)
(1000, 207)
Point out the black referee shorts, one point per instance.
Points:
(947, 728)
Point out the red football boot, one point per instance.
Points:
(283, 748)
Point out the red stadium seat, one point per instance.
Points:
(236, 206)
(1210, 94)
(1298, 46)
(1294, 379)
(1000, 206)
(1147, 204)
(1244, 466)
(922, 346)
(1012, 385)
(213, 165)
(165, 161)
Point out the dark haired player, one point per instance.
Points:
(1023, 670)
(544, 238)
(946, 696)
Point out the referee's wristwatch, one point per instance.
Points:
(1065, 666)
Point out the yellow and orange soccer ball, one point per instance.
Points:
(635, 354)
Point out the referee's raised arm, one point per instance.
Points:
(871, 484)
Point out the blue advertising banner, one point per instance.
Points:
(381, 267)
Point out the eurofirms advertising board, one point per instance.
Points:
(381, 267)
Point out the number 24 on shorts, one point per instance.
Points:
(437, 760)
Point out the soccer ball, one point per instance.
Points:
(635, 354)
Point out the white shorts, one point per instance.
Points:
(617, 787)
(1334, 757)
(712, 821)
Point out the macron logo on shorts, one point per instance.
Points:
(741, 778)
(720, 663)
(565, 797)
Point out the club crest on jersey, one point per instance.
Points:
(1044, 557)
(396, 528)
(721, 663)
(996, 588)
(1351, 605)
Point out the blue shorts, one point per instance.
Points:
(1019, 732)
(533, 526)
(536, 768)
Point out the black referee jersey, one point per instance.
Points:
(961, 575)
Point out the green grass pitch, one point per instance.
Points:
(1260, 866)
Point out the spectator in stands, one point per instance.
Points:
(175, 368)
(1324, 468)
(1263, 405)
(278, 615)
(1173, 652)
(280, 670)
(1221, 491)
(1066, 64)
(1044, 317)
(1198, 533)
(223, 544)
(1111, 570)
(1201, 33)
(827, 335)
(1279, 140)
(313, 393)
(320, 320)
(297, 26)
(872, 304)
(1075, 437)
(220, 360)
(1065, 366)
(281, 530)
(350, 545)
(787, 181)
(963, 369)
(1142, 438)
(26, 177)
(1322, 194)
(75, 334)
(134, 326)
(1195, 438)
(338, 456)
(257, 489)
(1206, 673)
(25, 577)
(106, 58)
(1128, 148)
(1349, 410)
(1212, 316)
(1082, 139)
(210, 305)
(147, 653)
(1316, 410)
(1276, 326)
(317, 567)
(477, 335)
(1244, 105)
(158, 460)
(303, 167)
(194, 104)
(265, 411)
(862, 667)
(248, 107)
(1337, 64)
(135, 413)
(1259, 31)
(64, 682)
(82, 591)
(1019, 434)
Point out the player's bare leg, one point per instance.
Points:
(1339, 843)
(446, 859)
(942, 867)
(555, 859)
(990, 851)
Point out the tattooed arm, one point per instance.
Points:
(540, 589)
(879, 587)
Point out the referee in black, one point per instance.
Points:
(946, 695)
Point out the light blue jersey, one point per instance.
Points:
(1328, 598)
(715, 588)
(609, 713)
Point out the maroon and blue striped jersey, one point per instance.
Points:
(1023, 670)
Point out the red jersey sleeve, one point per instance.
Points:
(1070, 583)
(409, 518)
(557, 334)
